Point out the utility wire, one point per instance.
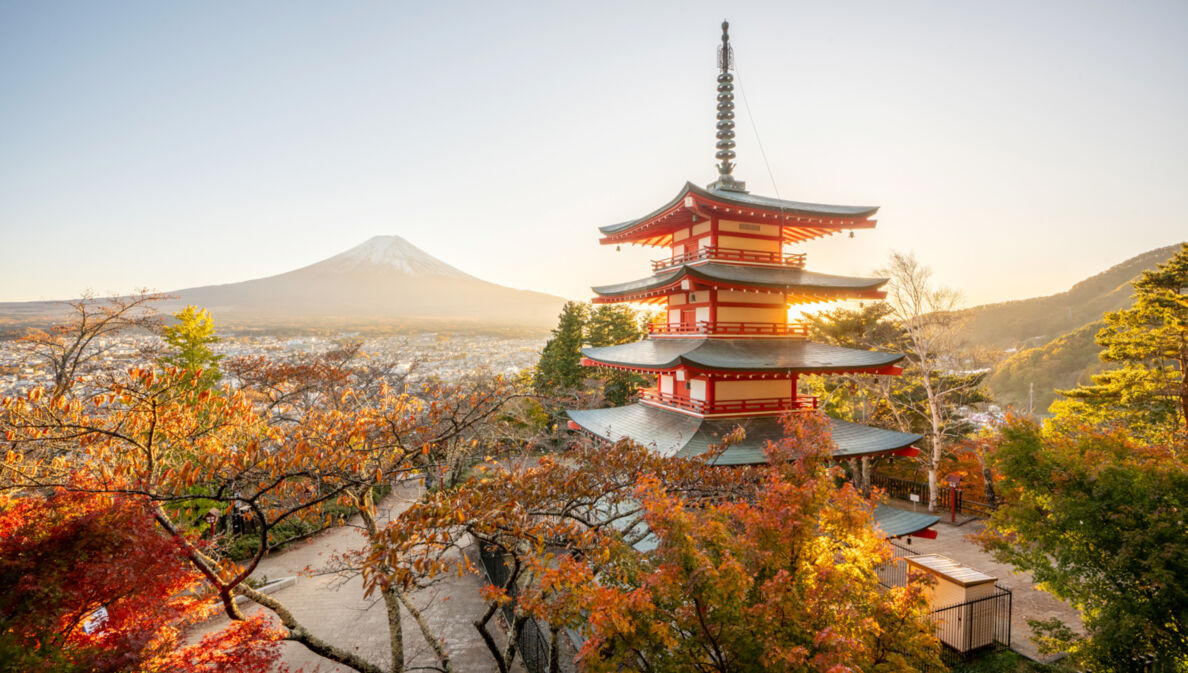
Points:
(755, 129)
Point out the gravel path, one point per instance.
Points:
(336, 611)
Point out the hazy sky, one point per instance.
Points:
(1015, 147)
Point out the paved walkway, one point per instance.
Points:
(1028, 602)
(336, 611)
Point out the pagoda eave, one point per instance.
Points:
(814, 296)
(797, 284)
(798, 221)
(674, 434)
(744, 355)
(734, 372)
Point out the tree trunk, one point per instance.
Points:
(865, 467)
(1184, 388)
(443, 658)
(554, 649)
(934, 465)
(366, 508)
(988, 480)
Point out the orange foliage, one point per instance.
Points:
(66, 556)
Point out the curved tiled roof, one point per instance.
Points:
(675, 434)
(782, 355)
(898, 522)
(752, 201)
(785, 278)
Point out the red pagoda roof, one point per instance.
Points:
(799, 284)
(799, 221)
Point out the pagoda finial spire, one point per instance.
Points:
(725, 143)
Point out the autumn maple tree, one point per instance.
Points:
(782, 581)
(166, 440)
(673, 564)
(73, 347)
(90, 583)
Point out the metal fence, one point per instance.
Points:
(964, 628)
(533, 640)
(970, 627)
(903, 489)
(894, 572)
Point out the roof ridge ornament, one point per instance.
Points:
(725, 145)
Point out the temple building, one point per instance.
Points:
(724, 352)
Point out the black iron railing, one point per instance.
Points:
(965, 629)
(904, 489)
(533, 638)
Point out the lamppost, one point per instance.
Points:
(954, 480)
(211, 518)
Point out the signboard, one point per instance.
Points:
(914, 497)
(95, 621)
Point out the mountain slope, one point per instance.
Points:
(1054, 335)
(1060, 364)
(384, 281)
(1034, 322)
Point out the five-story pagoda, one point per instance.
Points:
(724, 352)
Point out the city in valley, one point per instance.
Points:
(448, 356)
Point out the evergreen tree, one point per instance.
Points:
(1148, 393)
(611, 325)
(190, 342)
(560, 366)
(1098, 520)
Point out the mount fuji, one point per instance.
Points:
(384, 279)
(383, 282)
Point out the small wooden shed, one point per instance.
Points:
(960, 601)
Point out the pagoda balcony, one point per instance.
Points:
(767, 405)
(713, 253)
(796, 329)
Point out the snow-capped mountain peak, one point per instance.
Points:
(390, 253)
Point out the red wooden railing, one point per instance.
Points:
(792, 328)
(795, 259)
(756, 405)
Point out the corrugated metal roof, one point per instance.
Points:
(674, 434)
(768, 277)
(785, 355)
(955, 572)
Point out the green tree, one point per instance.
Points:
(560, 365)
(190, 342)
(1148, 393)
(610, 325)
(1098, 519)
(926, 399)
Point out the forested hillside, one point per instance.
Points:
(1053, 335)
(1061, 363)
(1035, 322)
